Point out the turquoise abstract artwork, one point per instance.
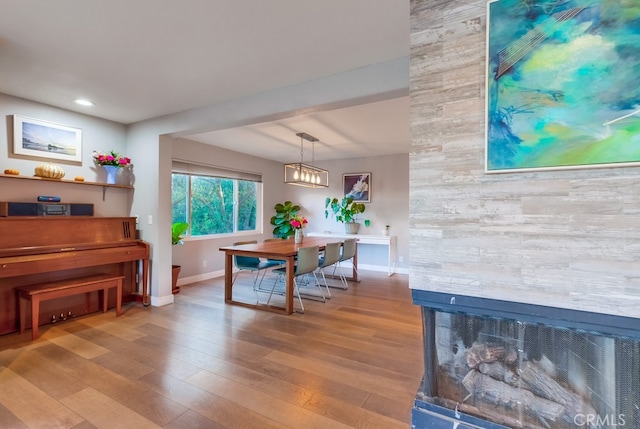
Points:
(563, 84)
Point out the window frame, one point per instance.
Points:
(259, 222)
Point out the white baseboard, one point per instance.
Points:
(159, 301)
(201, 277)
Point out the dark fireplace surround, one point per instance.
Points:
(499, 364)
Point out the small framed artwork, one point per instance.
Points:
(33, 137)
(357, 186)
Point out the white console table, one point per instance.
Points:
(384, 240)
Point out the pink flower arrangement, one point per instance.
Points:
(111, 158)
(298, 222)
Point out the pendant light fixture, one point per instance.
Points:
(301, 174)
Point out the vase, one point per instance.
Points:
(298, 237)
(112, 172)
(351, 227)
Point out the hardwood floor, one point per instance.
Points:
(354, 361)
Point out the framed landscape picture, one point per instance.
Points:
(562, 84)
(43, 139)
(357, 186)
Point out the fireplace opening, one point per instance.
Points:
(526, 374)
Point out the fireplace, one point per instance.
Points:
(499, 364)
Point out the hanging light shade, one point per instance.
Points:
(301, 174)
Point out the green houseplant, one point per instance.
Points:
(346, 211)
(282, 219)
(177, 230)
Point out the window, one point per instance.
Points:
(214, 203)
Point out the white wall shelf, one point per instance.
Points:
(75, 182)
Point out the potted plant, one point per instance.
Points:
(346, 211)
(177, 231)
(282, 219)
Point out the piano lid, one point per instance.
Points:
(51, 232)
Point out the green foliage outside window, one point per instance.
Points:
(179, 195)
(247, 205)
(214, 205)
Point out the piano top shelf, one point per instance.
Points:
(77, 182)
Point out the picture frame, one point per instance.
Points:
(42, 139)
(357, 186)
(561, 86)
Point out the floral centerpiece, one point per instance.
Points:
(112, 162)
(111, 158)
(297, 223)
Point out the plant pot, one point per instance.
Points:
(175, 272)
(351, 227)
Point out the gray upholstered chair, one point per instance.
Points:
(306, 265)
(330, 257)
(348, 252)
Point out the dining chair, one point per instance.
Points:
(254, 266)
(331, 257)
(348, 252)
(278, 261)
(306, 265)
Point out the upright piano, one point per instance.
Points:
(38, 249)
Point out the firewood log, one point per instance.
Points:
(499, 371)
(511, 356)
(480, 352)
(542, 384)
(499, 393)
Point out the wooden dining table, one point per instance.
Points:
(283, 250)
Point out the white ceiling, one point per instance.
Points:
(146, 58)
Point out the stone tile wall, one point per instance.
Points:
(568, 238)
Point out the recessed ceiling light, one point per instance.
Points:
(83, 102)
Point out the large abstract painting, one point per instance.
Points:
(563, 84)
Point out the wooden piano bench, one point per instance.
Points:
(68, 287)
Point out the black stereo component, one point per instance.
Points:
(45, 209)
(46, 198)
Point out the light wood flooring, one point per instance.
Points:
(354, 361)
